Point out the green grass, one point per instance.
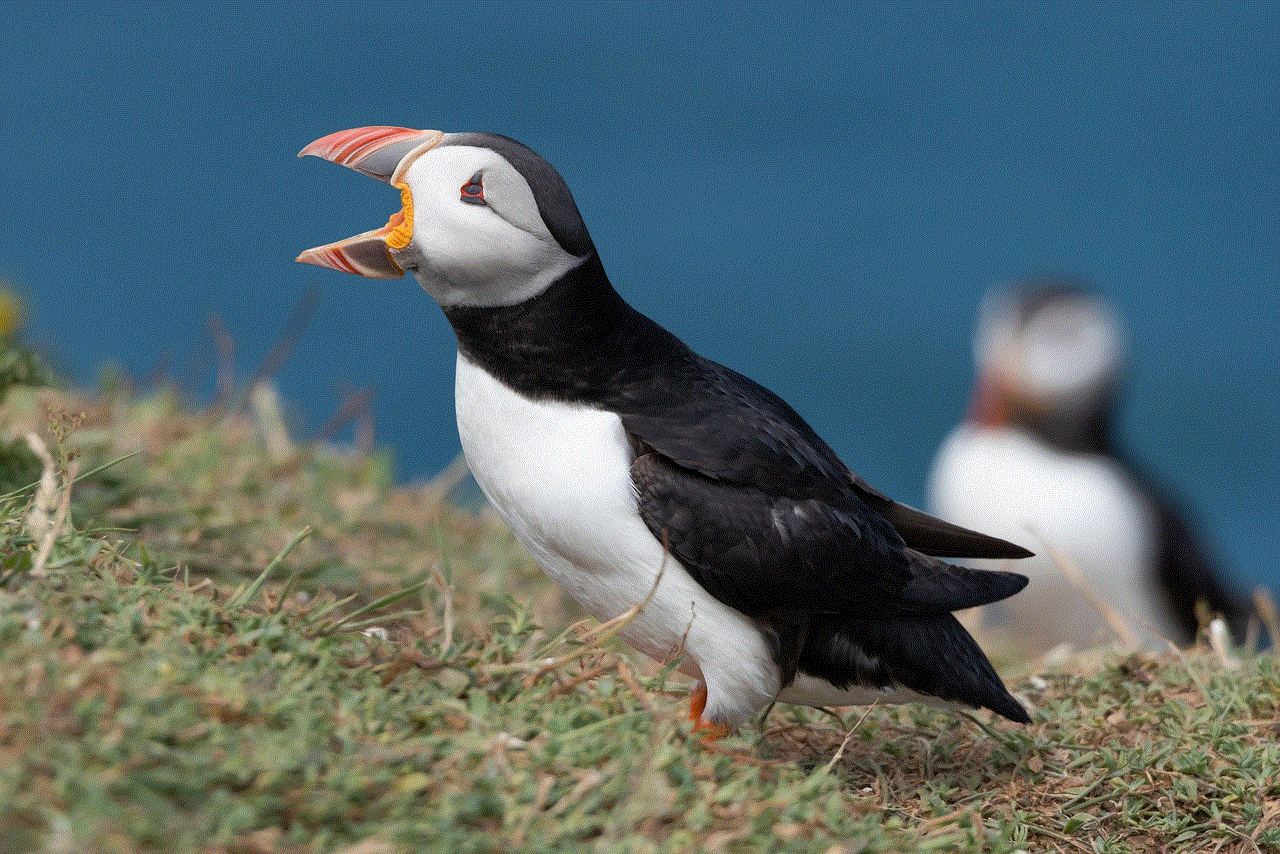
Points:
(226, 651)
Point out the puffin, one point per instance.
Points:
(1037, 455)
(649, 481)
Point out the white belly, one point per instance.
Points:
(559, 475)
(1009, 484)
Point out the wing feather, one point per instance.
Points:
(783, 558)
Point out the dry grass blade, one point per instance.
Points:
(1265, 602)
(840, 750)
(50, 507)
(82, 476)
(591, 639)
(1115, 620)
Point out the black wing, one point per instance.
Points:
(716, 422)
(766, 517)
(933, 536)
(1184, 567)
(783, 558)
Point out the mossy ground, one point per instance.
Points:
(229, 647)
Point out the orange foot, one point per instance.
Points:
(708, 730)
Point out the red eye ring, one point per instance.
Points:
(472, 192)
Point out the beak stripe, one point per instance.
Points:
(365, 255)
(328, 256)
(349, 147)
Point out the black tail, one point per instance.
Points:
(937, 586)
(928, 653)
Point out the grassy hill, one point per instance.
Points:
(225, 643)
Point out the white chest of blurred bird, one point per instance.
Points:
(1077, 504)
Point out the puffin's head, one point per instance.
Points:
(484, 221)
(1047, 347)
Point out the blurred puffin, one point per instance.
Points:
(1037, 454)
(641, 475)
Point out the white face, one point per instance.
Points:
(1062, 356)
(473, 251)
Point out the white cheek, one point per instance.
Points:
(466, 254)
(1076, 354)
(1063, 354)
(485, 263)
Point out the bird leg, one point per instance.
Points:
(709, 730)
(697, 702)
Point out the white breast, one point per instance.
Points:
(559, 475)
(1007, 483)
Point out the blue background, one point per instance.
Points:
(816, 195)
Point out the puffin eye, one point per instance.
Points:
(473, 191)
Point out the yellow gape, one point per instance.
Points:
(401, 222)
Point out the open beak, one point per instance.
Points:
(384, 153)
